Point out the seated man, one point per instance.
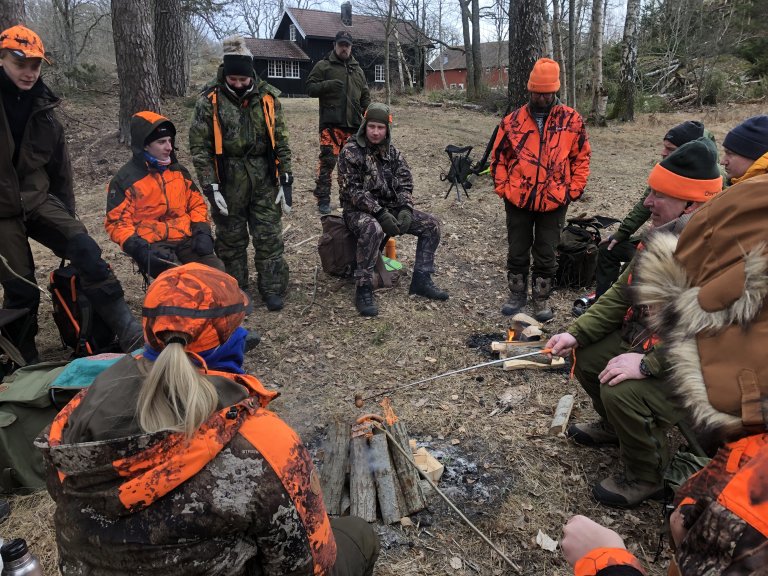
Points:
(617, 356)
(37, 200)
(154, 210)
(746, 150)
(375, 186)
(619, 247)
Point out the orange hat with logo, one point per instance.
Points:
(22, 42)
(204, 303)
(545, 77)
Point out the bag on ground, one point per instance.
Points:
(577, 254)
(80, 327)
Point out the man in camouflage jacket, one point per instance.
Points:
(375, 188)
(246, 175)
(340, 84)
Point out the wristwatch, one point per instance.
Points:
(644, 370)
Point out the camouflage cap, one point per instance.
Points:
(23, 42)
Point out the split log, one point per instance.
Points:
(362, 489)
(384, 475)
(407, 476)
(562, 414)
(335, 466)
(523, 363)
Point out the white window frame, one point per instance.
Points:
(452, 86)
(378, 73)
(275, 69)
(292, 32)
(292, 69)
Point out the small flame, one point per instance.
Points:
(389, 413)
(510, 335)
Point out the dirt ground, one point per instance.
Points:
(503, 471)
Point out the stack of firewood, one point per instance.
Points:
(380, 476)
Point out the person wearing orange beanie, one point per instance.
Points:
(540, 164)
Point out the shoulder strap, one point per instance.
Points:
(218, 143)
(268, 105)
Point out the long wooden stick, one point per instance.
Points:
(396, 444)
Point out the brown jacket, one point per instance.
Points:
(43, 165)
(707, 293)
(240, 498)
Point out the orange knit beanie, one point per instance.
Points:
(545, 76)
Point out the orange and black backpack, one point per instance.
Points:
(80, 327)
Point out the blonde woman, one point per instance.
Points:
(170, 463)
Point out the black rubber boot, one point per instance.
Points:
(324, 207)
(274, 302)
(422, 285)
(364, 301)
(252, 340)
(120, 319)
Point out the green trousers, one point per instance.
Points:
(357, 547)
(641, 411)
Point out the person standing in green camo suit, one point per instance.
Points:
(239, 145)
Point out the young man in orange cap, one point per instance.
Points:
(619, 360)
(37, 200)
(540, 164)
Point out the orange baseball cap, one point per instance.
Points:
(23, 42)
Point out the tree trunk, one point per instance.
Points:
(477, 61)
(557, 48)
(572, 52)
(548, 49)
(440, 36)
(388, 32)
(170, 47)
(597, 112)
(136, 61)
(470, 87)
(526, 43)
(624, 107)
(12, 12)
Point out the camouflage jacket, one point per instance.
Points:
(373, 177)
(246, 142)
(239, 498)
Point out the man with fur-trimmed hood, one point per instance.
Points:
(617, 356)
(707, 295)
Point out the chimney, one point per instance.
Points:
(346, 14)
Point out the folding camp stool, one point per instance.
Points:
(461, 167)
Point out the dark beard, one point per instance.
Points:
(540, 109)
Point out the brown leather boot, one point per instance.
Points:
(618, 491)
(518, 294)
(541, 288)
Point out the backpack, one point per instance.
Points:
(577, 254)
(337, 248)
(80, 327)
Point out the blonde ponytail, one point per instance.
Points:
(175, 396)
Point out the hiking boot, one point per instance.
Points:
(5, 509)
(422, 285)
(324, 207)
(541, 288)
(364, 301)
(592, 433)
(274, 302)
(120, 319)
(618, 491)
(518, 294)
(252, 340)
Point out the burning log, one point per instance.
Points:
(525, 333)
(362, 486)
(386, 486)
(408, 478)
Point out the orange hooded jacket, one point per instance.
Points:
(543, 171)
(156, 206)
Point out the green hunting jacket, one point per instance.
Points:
(339, 108)
(246, 143)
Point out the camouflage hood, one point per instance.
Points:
(376, 112)
(143, 124)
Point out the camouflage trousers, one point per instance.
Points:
(331, 142)
(257, 213)
(371, 239)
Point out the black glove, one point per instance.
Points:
(286, 183)
(388, 222)
(202, 243)
(151, 262)
(334, 85)
(404, 220)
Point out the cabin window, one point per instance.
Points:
(292, 70)
(292, 32)
(378, 73)
(275, 69)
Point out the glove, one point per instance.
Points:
(285, 193)
(388, 222)
(216, 198)
(334, 85)
(151, 261)
(404, 220)
(202, 243)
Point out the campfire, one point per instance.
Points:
(524, 334)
